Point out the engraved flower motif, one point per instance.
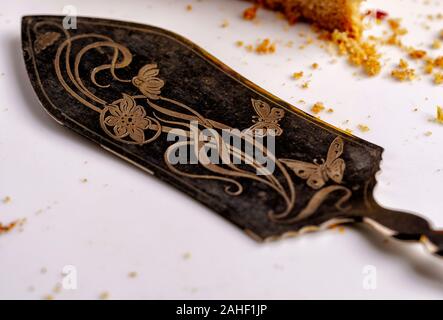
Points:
(128, 119)
(147, 82)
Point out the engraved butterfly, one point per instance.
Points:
(317, 174)
(266, 121)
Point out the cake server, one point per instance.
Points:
(147, 95)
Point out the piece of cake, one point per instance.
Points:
(342, 15)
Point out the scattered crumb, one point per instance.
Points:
(57, 288)
(439, 114)
(187, 256)
(8, 227)
(104, 295)
(363, 128)
(403, 74)
(428, 133)
(132, 274)
(297, 75)
(48, 297)
(239, 43)
(305, 85)
(318, 107)
(438, 78)
(359, 53)
(84, 180)
(330, 110)
(189, 7)
(341, 229)
(250, 13)
(225, 24)
(7, 199)
(265, 47)
(403, 64)
(315, 66)
(436, 44)
(417, 54)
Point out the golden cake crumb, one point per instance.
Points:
(132, 274)
(297, 75)
(438, 78)
(439, 114)
(417, 54)
(305, 85)
(104, 295)
(265, 47)
(403, 64)
(239, 43)
(359, 53)
(7, 199)
(318, 107)
(189, 7)
(438, 62)
(363, 128)
(315, 65)
(249, 48)
(8, 227)
(225, 24)
(436, 44)
(403, 74)
(250, 13)
(428, 133)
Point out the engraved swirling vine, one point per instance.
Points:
(125, 120)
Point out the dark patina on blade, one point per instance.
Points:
(127, 86)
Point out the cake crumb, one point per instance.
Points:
(318, 107)
(7, 200)
(417, 54)
(297, 75)
(436, 44)
(403, 74)
(363, 128)
(428, 133)
(186, 256)
(225, 24)
(104, 295)
(8, 227)
(48, 297)
(439, 117)
(250, 13)
(315, 66)
(132, 274)
(359, 53)
(189, 7)
(239, 43)
(438, 78)
(305, 85)
(84, 180)
(265, 47)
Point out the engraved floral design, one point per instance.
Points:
(147, 82)
(128, 119)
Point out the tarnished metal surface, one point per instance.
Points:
(127, 86)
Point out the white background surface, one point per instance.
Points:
(122, 220)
